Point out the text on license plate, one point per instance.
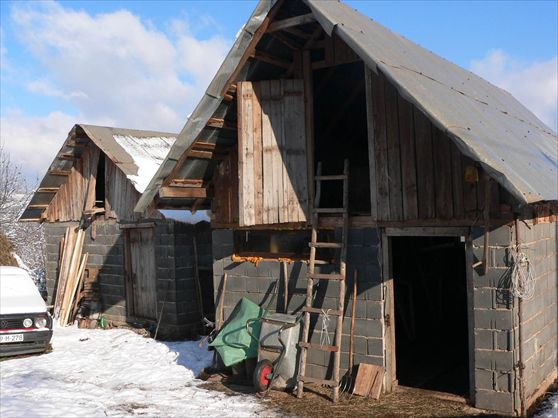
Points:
(11, 338)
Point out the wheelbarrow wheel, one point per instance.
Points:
(262, 375)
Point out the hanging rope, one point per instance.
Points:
(325, 339)
(522, 275)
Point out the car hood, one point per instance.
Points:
(18, 293)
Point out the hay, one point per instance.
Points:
(6, 249)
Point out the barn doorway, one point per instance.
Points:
(431, 328)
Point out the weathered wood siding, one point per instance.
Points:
(120, 195)
(141, 252)
(273, 184)
(224, 206)
(417, 171)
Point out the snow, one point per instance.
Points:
(549, 408)
(148, 154)
(98, 373)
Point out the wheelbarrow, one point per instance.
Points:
(277, 366)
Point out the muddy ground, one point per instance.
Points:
(403, 402)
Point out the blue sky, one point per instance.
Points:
(145, 64)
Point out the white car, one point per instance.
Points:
(25, 324)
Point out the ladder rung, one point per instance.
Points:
(325, 244)
(323, 262)
(332, 348)
(321, 311)
(329, 210)
(335, 177)
(307, 379)
(325, 276)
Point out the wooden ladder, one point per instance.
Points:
(339, 277)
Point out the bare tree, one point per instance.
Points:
(27, 238)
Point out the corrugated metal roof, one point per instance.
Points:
(487, 123)
(137, 153)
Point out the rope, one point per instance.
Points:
(325, 339)
(522, 275)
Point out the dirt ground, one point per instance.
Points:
(403, 402)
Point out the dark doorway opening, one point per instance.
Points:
(431, 330)
(100, 183)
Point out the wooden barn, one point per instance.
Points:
(336, 155)
(127, 267)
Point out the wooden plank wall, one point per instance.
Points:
(120, 195)
(419, 172)
(273, 184)
(224, 205)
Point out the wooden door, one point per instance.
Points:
(142, 273)
(273, 182)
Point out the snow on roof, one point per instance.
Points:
(148, 153)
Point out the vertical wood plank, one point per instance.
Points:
(277, 125)
(308, 77)
(257, 153)
(457, 176)
(270, 212)
(425, 174)
(394, 157)
(408, 160)
(380, 147)
(246, 154)
(469, 191)
(443, 175)
(371, 144)
(298, 151)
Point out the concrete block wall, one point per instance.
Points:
(539, 315)
(495, 323)
(256, 282)
(174, 271)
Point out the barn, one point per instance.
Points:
(336, 155)
(141, 268)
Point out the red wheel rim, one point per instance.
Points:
(266, 370)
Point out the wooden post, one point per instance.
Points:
(286, 286)
(371, 148)
(222, 303)
(197, 276)
(486, 215)
(307, 75)
(353, 312)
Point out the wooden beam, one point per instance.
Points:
(249, 51)
(48, 189)
(220, 123)
(291, 22)
(188, 182)
(60, 172)
(298, 33)
(183, 192)
(371, 148)
(270, 59)
(37, 206)
(286, 41)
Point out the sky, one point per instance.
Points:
(146, 64)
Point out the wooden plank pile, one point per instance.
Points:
(70, 277)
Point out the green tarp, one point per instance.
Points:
(233, 342)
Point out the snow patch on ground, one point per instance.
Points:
(98, 373)
(549, 409)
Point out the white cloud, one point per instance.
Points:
(111, 67)
(534, 84)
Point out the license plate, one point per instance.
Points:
(11, 338)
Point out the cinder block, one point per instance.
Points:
(494, 401)
(370, 292)
(368, 327)
(483, 298)
(485, 379)
(373, 309)
(504, 381)
(493, 360)
(375, 347)
(493, 319)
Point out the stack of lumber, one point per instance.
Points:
(71, 272)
